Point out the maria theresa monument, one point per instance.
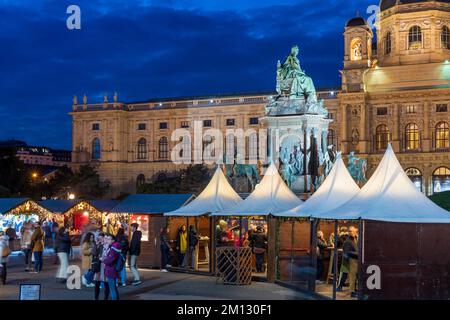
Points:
(297, 126)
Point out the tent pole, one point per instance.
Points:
(360, 266)
(335, 258)
(292, 248)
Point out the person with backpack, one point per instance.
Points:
(121, 238)
(193, 241)
(135, 251)
(4, 253)
(114, 262)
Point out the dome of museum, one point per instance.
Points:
(387, 4)
(356, 22)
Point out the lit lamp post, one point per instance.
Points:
(71, 196)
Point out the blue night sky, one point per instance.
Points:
(147, 49)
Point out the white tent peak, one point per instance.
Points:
(218, 195)
(338, 188)
(389, 195)
(271, 196)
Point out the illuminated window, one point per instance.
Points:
(382, 137)
(142, 149)
(412, 137)
(163, 148)
(445, 38)
(96, 149)
(331, 138)
(184, 124)
(411, 109)
(442, 135)
(415, 38)
(441, 179)
(388, 43)
(209, 152)
(251, 147)
(356, 50)
(416, 177)
(231, 148)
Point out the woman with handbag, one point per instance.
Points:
(4, 253)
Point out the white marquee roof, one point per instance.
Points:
(218, 195)
(272, 195)
(389, 195)
(338, 188)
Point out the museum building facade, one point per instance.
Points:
(394, 90)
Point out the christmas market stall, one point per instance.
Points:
(297, 253)
(250, 229)
(148, 211)
(400, 249)
(14, 212)
(193, 223)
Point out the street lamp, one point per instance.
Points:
(71, 196)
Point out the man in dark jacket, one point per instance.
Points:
(135, 251)
(259, 241)
(193, 241)
(321, 246)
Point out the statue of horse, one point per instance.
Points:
(247, 170)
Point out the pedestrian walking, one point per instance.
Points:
(25, 244)
(114, 262)
(165, 248)
(121, 238)
(87, 251)
(62, 250)
(5, 251)
(134, 252)
(98, 267)
(37, 245)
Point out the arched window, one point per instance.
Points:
(415, 38)
(441, 179)
(416, 177)
(445, 37)
(142, 149)
(140, 181)
(442, 135)
(356, 50)
(412, 137)
(331, 138)
(251, 147)
(209, 151)
(230, 148)
(163, 148)
(388, 43)
(382, 137)
(96, 149)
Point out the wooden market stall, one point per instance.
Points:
(254, 213)
(147, 210)
(402, 237)
(297, 253)
(14, 212)
(217, 195)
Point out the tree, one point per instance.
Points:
(13, 175)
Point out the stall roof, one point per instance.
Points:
(389, 195)
(338, 188)
(218, 195)
(104, 205)
(271, 196)
(7, 204)
(151, 203)
(58, 206)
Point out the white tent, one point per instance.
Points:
(338, 188)
(389, 195)
(270, 196)
(218, 195)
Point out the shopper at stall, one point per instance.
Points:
(182, 239)
(48, 234)
(87, 250)
(351, 256)
(134, 252)
(11, 232)
(63, 245)
(222, 234)
(4, 253)
(259, 240)
(112, 261)
(193, 252)
(25, 243)
(166, 249)
(37, 245)
(321, 246)
(121, 238)
(98, 267)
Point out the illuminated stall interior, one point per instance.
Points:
(193, 217)
(14, 212)
(270, 196)
(147, 210)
